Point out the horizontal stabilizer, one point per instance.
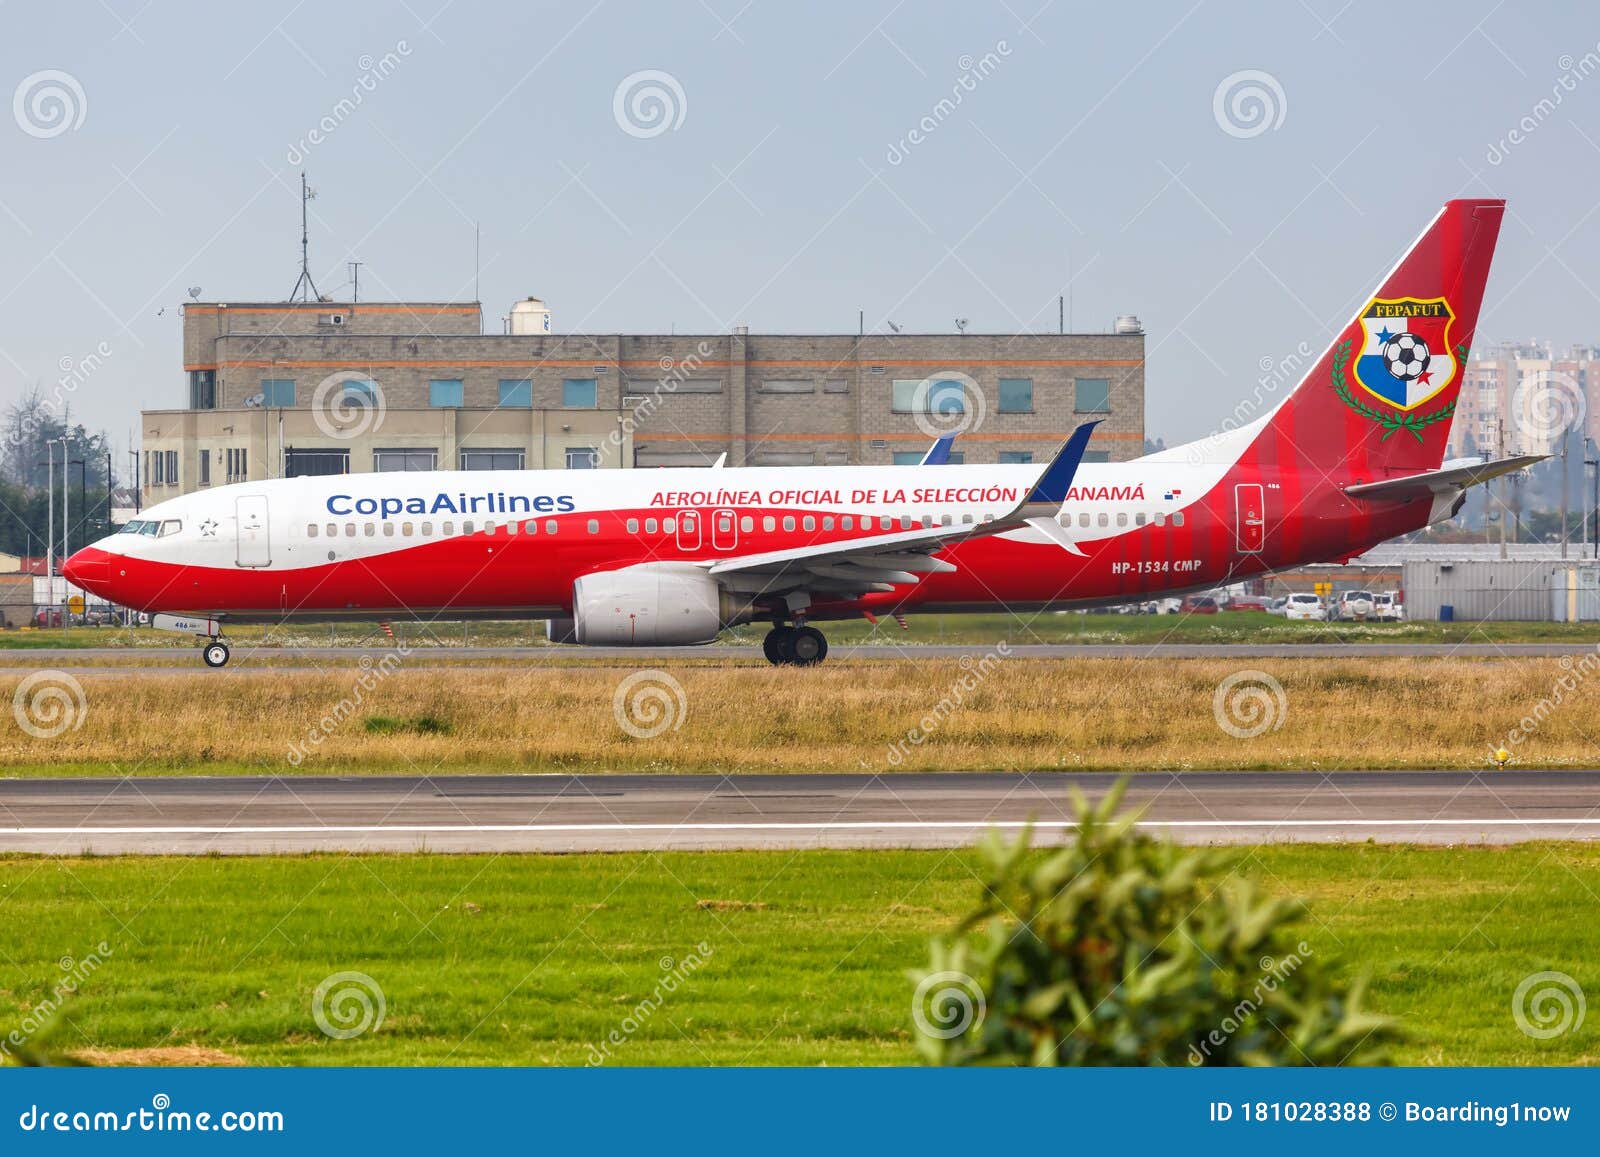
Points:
(1440, 481)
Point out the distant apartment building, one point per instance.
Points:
(283, 389)
(1521, 397)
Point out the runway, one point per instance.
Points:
(248, 661)
(633, 813)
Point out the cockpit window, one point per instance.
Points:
(170, 526)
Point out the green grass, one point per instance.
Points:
(987, 629)
(530, 960)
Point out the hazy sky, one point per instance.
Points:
(153, 146)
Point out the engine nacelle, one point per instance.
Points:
(653, 604)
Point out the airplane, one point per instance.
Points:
(1352, 456)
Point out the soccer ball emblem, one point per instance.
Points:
(1406, 356)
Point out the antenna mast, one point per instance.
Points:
(304, 288)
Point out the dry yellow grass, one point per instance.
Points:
(938, 715)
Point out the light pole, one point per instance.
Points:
(1594, 507)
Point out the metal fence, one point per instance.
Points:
(1503, 591)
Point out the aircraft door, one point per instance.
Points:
(1250, 517)
(254, 536)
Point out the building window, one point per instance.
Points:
(516, 392)
(172, 467)
(956, 458)
(1091, 395)
(579, 393)
(315, 463)
(1097, 455)
(1015, 457)
(389, 461)
(492, 459)
(202, 389)
(277, 393)
(1016, 395)
(582, 458)
(203, 474)
(919, 395)
(445, 392)
(907, 457)
(154, 472)
(237, 460)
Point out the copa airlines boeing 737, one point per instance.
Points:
(1351, 457)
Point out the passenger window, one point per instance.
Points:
(945, 521)
(1104, 519)
(530, 527)
(405, 530)
(488, 528)
(388, 530)
(349, 530)
(1083, 518)
(905, 522)
(724, 524)
(808, 523)
(466, 527)
(594, 526)
(311, 530)
(1122, 518)
(966, 520)
(1177, 518)
(448, 528)
(650, 525)
(885, 522)
(847, 523)
(1161, 519)
(368, 529)
(633, 526)
(1064, 518)
(927, 522)
(550, 526)
(747, 524)
(670, 526)
(788, 522)
(769, 523)
(827, 522)
(333, 530)
(427, 529)
(1138, 519)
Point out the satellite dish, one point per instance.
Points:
(961, 324)
(255, 401)
(894, 327)
(194, 292)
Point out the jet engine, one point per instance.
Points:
(653, 604)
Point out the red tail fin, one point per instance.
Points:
(1380, 400)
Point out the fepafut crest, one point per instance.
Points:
(1404, 360)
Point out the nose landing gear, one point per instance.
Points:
(215, 653)
(801, 646)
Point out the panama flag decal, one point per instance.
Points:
(1406, 356)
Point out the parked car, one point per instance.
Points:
(47, 617)
(1199, 605)
(1387, 608)
(1304, 608)
(1248, 603)
(1275, 607)
(1354, 605)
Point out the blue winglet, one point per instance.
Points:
(939, 453)
(1052, 487)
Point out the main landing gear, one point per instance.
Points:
(800, 646)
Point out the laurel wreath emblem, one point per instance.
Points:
(1399, 420)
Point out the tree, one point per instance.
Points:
(1120, 949)
(30, 425)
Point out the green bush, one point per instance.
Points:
(1120, 949)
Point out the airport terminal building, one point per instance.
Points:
(282, 389)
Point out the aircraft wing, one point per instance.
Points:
(883, 561)
(1443, 480)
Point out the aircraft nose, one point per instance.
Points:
(89, 568)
